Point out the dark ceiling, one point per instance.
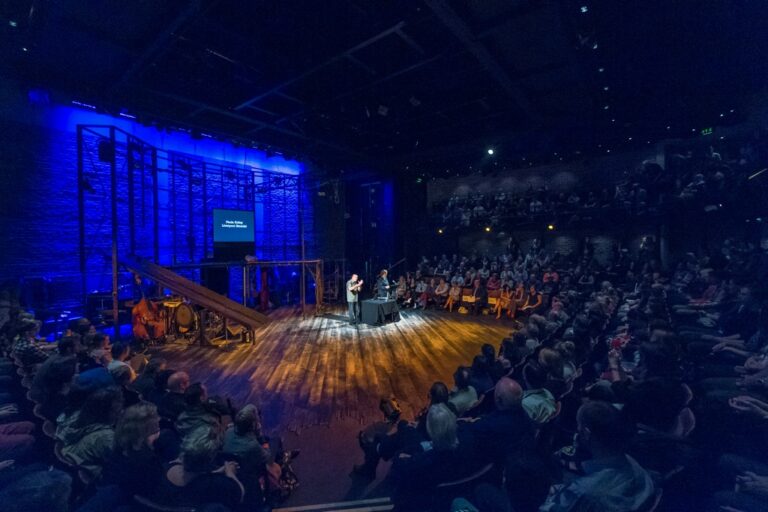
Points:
(404, 85)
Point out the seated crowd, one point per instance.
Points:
(633, 389)
(706, 177)
(89, 425)
(621, 387)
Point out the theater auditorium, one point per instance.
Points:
(371, 256)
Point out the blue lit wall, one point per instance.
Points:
(38, 198)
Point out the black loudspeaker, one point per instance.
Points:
(232, 251)
(216, 279)
(106, 151)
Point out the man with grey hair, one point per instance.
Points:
(441, 459)
(505, 431)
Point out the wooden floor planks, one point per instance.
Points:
(312, 370)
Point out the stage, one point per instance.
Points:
(319, 369)
(319, 381)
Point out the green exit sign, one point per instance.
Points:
(706, 131)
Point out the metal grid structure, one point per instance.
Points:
(135, 199)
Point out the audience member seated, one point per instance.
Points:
(145, 383)
(27, 348)
(123, 375)
(388, 439)
(173, 401)
(52, 380)
(463, 395)
(442, 458)
(503, 432)
(89, 439)
(32, 488)
(480, 296)
(120, 353)
(195, 478)
(98, 352)
(198, 411)
(612, 481)
(135, 466)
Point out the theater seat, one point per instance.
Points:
(445, 493)
(148, 504)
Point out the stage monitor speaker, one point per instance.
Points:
(216, 279)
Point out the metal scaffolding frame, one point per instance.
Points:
(128, 189)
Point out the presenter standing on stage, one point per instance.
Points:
(382, 285)
(353, 289)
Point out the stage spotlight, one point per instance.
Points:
(487, 229)
(551, 227)
(490, 151)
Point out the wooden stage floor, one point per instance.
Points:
(312, 371)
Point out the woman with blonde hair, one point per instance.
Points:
(454, 297)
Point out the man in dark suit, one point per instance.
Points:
(480, 293)
(382, 285)
(506, 431)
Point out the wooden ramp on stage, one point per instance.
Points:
(196, 293)
(311, 371)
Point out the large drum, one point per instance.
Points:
(186, 318)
